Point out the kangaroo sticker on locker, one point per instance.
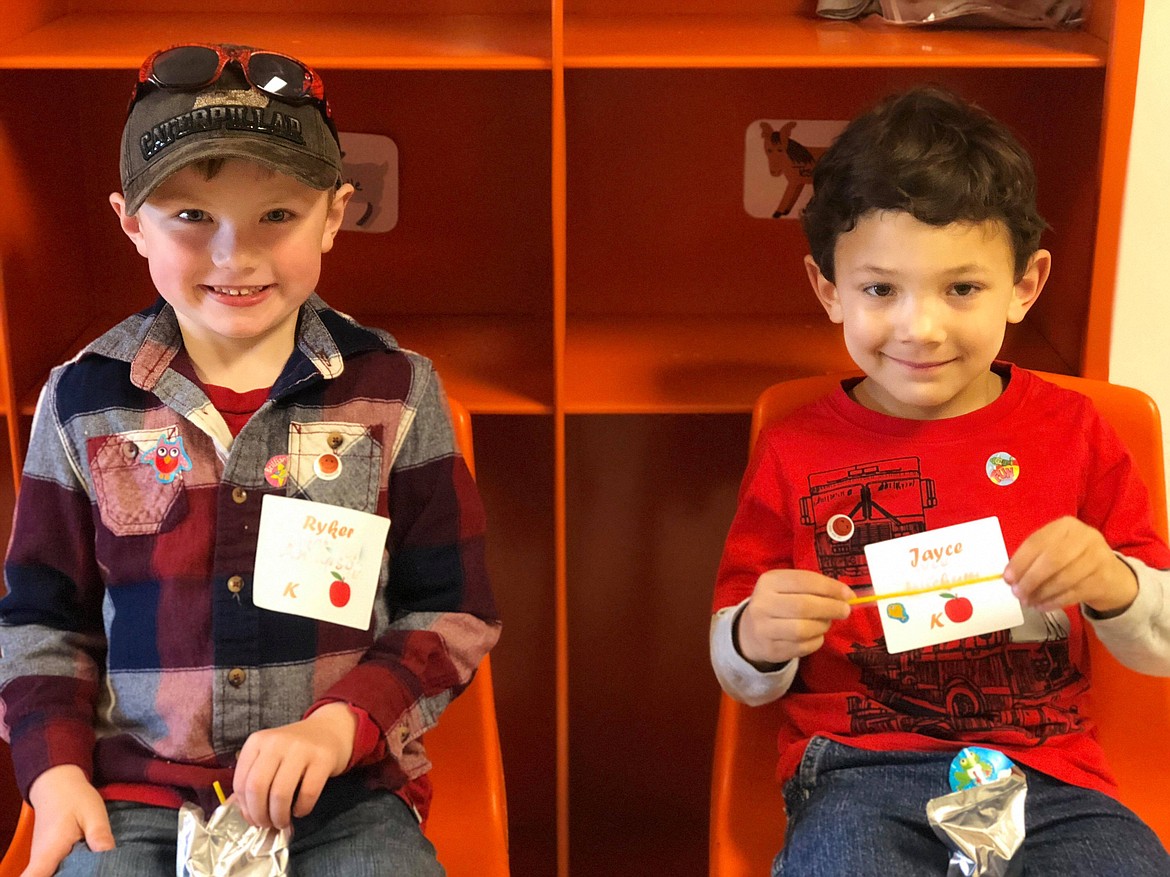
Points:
(370, 163)
(779, 156)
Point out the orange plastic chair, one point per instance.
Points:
(20, 846)
(747, 807)
(468, 822)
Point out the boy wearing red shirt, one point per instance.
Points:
(925, 245)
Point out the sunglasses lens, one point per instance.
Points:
(185, 67)
(277, 75)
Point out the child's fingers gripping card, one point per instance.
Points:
(318, 561)
(942, 585)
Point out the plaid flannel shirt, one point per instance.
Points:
(131, 644)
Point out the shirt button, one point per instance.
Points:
(130, 450)
(236, 584)
(335, 440)
(239, 495)
(236, 677)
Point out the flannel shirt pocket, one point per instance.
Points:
(136, 496)
(355, 449)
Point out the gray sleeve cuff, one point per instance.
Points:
(736, 675)
(1140, 636)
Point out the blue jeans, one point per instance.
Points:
(374, 836)
(852, 812)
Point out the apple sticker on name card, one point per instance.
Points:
(942, 585)
(318, 561)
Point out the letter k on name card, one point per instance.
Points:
(318, 561)
(942, 585)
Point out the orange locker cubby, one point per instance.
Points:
(573, 251)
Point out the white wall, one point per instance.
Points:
(1140, 349)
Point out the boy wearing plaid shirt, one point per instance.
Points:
(138, 668)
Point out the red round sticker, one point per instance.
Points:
(840, 528)
(327, 466)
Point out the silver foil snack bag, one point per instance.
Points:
(982, 822)
(227, 846)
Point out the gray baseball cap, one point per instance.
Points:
(168, 129)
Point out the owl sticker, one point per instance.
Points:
(168, 457)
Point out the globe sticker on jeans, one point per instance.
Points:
(897, 611)
(977, 766)
(1002, 468)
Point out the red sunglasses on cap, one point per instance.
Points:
(196, 65)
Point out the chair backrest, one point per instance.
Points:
(1132, 709)
(468, 822)
(747, 808)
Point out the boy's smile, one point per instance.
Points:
(239, 291)
(236, 255)
(924, 309)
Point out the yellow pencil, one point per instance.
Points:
(962, 583)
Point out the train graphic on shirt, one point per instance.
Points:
(991, 682)
(1021, 679)
(852, 507)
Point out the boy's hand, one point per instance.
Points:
(68, 809)
(1067, 562)
(789, 613)
(293, 760)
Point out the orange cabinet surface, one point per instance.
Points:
(573, 251)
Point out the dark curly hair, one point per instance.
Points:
(932, 154)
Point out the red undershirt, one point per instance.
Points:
(236, 408)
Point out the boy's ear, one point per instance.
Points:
(130, 224)
(825, 290)
(1029, 286)
(336, 214)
